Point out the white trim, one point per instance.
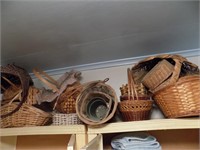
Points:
(115, 63)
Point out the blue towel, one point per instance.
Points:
(135, 141)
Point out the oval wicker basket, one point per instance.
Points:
(27, 115)
(181, 99)
(135, 108)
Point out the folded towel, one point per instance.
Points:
(135, 141)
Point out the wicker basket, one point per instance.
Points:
(27, 115)
(102, 100)
(181, 99)
(66, 119)
(67, 88)
(134, 109)
(158, 74)
(67, 100)
(140, 88)
(181, 68)
(14, 93)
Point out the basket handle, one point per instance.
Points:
(131, 86)
(46, 79)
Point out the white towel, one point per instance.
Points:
(135, 141)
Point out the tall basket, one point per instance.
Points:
(134, 108)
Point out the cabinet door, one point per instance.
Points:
(8, 143)
(72, 142)
(95, 144)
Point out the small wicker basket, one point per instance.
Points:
(66, 119)
(131, 109)
(67, 100)
(27, 115)
(181, 99)
(158, 74)
(134, 110)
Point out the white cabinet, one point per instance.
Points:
(68, 137)
(172, 134)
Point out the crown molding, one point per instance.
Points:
(115, 63)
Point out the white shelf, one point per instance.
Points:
(44, 130)
(145, 125)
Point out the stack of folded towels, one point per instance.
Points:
(135, 141)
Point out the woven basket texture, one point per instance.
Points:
(66, 119)
(181, 67)
(67, 100)
(140, 88)
(136, 105)
(181, 99)
(159, 73)
(11, 92)
(27, 115)
(134, 110)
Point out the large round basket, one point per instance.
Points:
(181, 99)
(27, 115)
(97, 103)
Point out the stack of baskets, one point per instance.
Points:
(97, 103)
(27, 114)
(174, 83)
(64, 103)
(65, 113)
(135, 103)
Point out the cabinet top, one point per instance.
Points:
(155, 124)
(43, 130)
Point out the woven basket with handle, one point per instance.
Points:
(181, 99)
(27, 115)
(144, 71)
(65, 101)
(14, 93)
(134, 108)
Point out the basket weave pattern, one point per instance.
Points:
(158, 74)
(27, 115)
(135, 107)
(181, 99)
(144, 67)
(66, 119)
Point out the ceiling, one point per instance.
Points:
(56, 34)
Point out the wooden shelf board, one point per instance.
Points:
(145, 125)
(43, 130)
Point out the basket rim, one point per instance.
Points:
(181, 80)
(46, 114)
